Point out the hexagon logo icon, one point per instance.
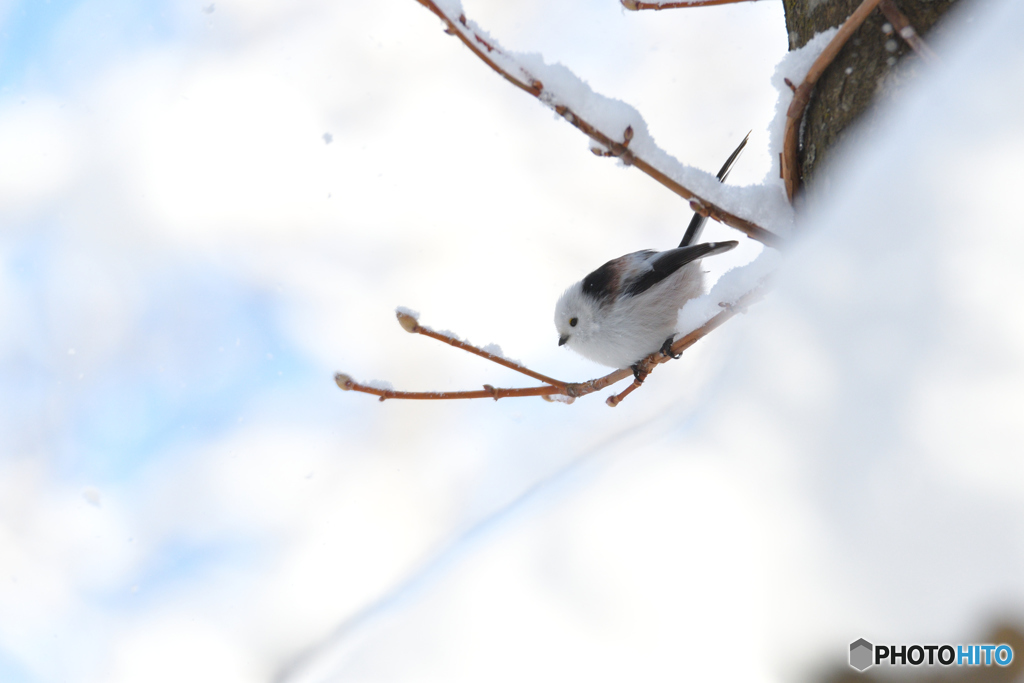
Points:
(861, 654)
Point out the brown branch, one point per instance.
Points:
(410, 324)
(616, 399)
(346, 383)
(635, 5)
(552, 387)
(802, 95)
(907, 32)
(483, 49)
(529, 84)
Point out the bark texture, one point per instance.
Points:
(871, 66)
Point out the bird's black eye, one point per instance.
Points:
(573, 321)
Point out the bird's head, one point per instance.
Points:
(576, 316)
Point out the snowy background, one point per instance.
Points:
(208, 209)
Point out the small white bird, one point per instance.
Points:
(627, 309)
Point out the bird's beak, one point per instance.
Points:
(564, 338)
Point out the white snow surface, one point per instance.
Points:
(495, 350)
(447, 333)
(729, 288)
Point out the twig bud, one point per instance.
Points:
(407, 322)
(629, 4)
(344, 382)
(627, 135)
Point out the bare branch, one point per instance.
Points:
(676, 4)
(802, 95)
(907, 32)
(484, 48)
(410, 324)
(346, 383)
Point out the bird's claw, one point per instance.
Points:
(666, 349)
(640, 372)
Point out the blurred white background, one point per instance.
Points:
(208, 209)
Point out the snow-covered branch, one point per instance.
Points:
(618, 130)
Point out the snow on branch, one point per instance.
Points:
(620, 131)
(790, 166)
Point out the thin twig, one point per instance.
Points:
(410, 324)
(616, 399)
(635, 5)
(346, 383)
(903, 27)
(553, 387)
(483, 48)
(802, 95)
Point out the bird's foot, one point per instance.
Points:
(640, 372)
(666, 349)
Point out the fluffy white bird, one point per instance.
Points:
(627, 309)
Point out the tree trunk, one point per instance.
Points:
(864, 72)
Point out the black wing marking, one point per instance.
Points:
(603, 284)
(598, 285)
(668, 262)
(697, 222)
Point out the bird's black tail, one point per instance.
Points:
(697, 222)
